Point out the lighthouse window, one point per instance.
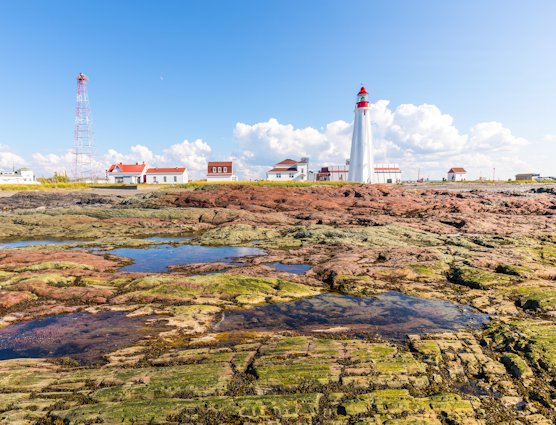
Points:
(225, 169)
(219, 169)
(214, 169)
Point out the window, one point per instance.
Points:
(219, 169)
(119, 179)
(154, 179)
(278, 175)
(292, 175)
(214, 169)
(225, 169)
(175, 178)
(164, 179)
(389, 181)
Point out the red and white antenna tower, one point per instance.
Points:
(83, 134)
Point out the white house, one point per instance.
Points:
(457, 174)
(289, 169)
(21, 176)
(166, 175)
(127, 173)
(387, 173)
(220, 171)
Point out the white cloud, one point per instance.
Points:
(493, 137)
(267, 142)
(138, 153)
(194, 155)
(422, 129)
(48, 164)
(9, 159)
(45, 165)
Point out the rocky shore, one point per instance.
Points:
(491, 249)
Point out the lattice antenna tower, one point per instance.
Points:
(83, 148)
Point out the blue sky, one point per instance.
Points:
(162, 72)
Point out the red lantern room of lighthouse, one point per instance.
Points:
(363, 98)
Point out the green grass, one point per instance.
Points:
(198, 184)
(49, 186)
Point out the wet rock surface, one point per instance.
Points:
(490, 249)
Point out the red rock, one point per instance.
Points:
(9, 299)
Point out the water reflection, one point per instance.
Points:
(290, 268)
(82, 336)
(157, 258)
(37, 242)
(169, 239)
(391, 314)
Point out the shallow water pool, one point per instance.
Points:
(37, 242)
(391, 314)
(290, 268)
(157, 258)
(83, 336)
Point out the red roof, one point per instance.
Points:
(387, 169)
(127, 168)
(222, 164)
(165, 170)
(362, 91)
(288, 162)
(457, 170)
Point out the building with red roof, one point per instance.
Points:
(169, 175)
(457, 174)
(127, 173)
(289, 170)
(220, 171)
(142, 173)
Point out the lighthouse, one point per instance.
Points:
(361, 158)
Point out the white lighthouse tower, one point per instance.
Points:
(361, 158)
